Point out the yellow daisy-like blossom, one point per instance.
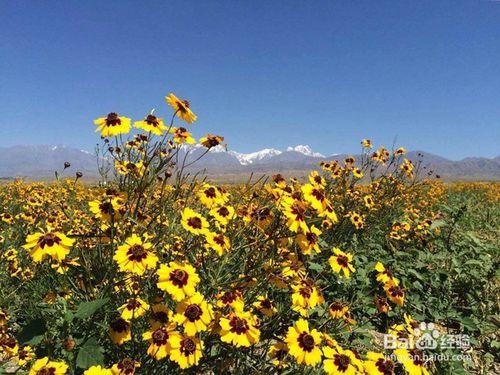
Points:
(239, 328)
(126, 366)
(179, 280)
(48, 244)
(384, 275)
(341, 362)
(181, 107)
(186, 351)
(217, 242)
(130, 168)
(194, 222)
(223, 213)
(119, 331)
(135, 256)
(341, 262)
(265, 306)
(151, 124)
(378, 364)
(395, 292)
(305, 297)
(159, 341)
(112, 125)
(194, 314)
(98, 370)
(134, 308)
(24, 355)
(181, 135)
(304, 344)
(309, 241)
(412, 360)
(278, 353)
(46, 366)
(211, 140)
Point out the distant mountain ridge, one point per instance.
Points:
(36, 161)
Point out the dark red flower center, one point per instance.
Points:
(193, 312)
(113, 119)
(342, 362)
(136, 253)
(188, 346)
(179, 278)
(238, 325)
(49, 240)
(194, 222)
(306, 341)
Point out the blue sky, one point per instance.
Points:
(260, 73)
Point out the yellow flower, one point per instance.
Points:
(366, 143)
(303, 344)
(356, 172)
(265, 306)
(278, 353)
(377, 364)
(151, 124)
(97, 370)
(395, 292)
(316, 196)
(384, 275)
(305, 297)
(45, 366)
(119, 331)
(223, 213)
(112, 125)
(341, 362)
(159, 341)
(295, 211)
(369, 203)
(130, 168)
(217, 242)
(134, 308)
(186, 351)
(234, 299)
(412, 360)
(179, 280)
(308, 241)
(194, 313)
(356, 220)
(194, 222)
(181, 108)
(160, 315)
(24, 356)
(126, 366)
(240, 329)
(211, 195)
(341, 262)
(107, 209)
(135, 256)
(53, 244)
(181, 135)
(211, 140)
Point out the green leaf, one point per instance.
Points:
(87, 309)
(32, 331)
(316, 267)
(90, 354)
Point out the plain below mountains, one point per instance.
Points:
(40, 161)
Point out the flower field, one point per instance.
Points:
(155, 271)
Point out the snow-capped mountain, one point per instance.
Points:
(36, 161)
(252, 157)
(306, 150)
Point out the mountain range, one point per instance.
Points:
(40, 161)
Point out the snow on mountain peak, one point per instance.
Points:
(306, 150)
(246, 159)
